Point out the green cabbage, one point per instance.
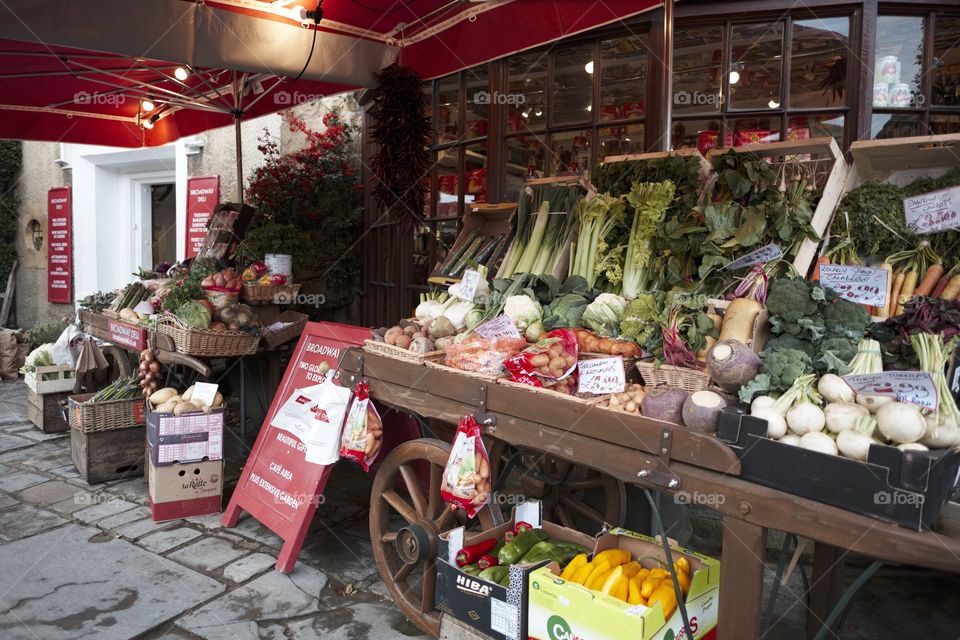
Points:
(194, 314)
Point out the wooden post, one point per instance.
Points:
(826, 585)
(741, 579)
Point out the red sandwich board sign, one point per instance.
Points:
(278, 486)
(203, 194)
(59, 246)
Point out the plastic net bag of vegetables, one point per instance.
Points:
(553, 357)
(363, 431)
(466, 476)
(482, 355)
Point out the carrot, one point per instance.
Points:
(883, 312)
(929, 280)
(906, 293)
(952, 289)
(941, 285)
(895, 293)
(816, 268)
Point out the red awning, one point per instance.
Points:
(80, 71)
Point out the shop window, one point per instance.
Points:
(526, 99)
(475, 174)
(619, 140)
(818, 63)
(756, 59)
(623, 83)
(894, 125)
(946, 63)
(701, 134)
(478, 101)
(571, 152)
(896, 70)
(448, 109)
(698, 65)
(526, 158)
(573, 69)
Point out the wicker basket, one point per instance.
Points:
(270, 293)
(297, 321)
(399, 353)
(205, 342)
(630, 372)
(667, 375)
(90, 417)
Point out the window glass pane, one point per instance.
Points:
(424, 253)
(818, 71)
(755, 61)
(818, 126)
(896, 71)
(615, 141)
(754, 130)
(428, 91)
(525, 159)
(446, 193)
(570, 153)
(475, 173)
(478, 102)
(623, 81)
(448, 101)
(946, 61)
(527, 91)
(896, 125)
(700, 134)
(443, 237)
(944, 124)
(572, 84)
(697, 58)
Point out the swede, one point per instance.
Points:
(664, 403)
(805, 418)
(776, 425)
(834, 389)
(819, 441)
(900, 422)
(701, 411)
(842, 416)
(732, 364)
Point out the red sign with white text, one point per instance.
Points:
(278, 486)
(59, 246)
(203, 194)
(127, 335)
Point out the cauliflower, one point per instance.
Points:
(603, 314)
(523, 310)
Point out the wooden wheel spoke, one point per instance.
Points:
(581, 485)
(582, 508)
(412, 482)
(388, 537)
(429, 586)
(403, 572)
(394, 500)
(435, 503)
(563, 516)
(446, 517)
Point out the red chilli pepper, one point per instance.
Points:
(522, 527)
(472, 553)
(486, 561)
(508, 536)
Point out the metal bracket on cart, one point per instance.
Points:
(352, 377)
(657, 473)
(484, 418)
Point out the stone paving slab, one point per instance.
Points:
(113, 590)
(24, 520)
(345, 556)
(163, 541)
(126, 517)
(68, 472)
(141, 527)
(132, 490)
(20, 481)
(7, 501)
(9, 444)
(32, 433)
(247, 567)
(81, 500)
(251, 528)
(50, 492)
(108, 507)
(207, 554)
(347, 620)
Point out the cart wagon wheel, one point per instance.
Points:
(574, 496)
(406, 517)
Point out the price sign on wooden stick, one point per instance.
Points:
(933, 212)
(863, 285)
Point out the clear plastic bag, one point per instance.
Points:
(483, 355)
(363, 432)
(466, 477)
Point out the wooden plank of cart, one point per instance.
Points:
(637, 450)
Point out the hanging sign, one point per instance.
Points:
(279, 485)
(762, 255)
(863, 285)
(601, 376)
(203, 194)
(59, 246)
(915, 387)
(933, 212)
(127, 335)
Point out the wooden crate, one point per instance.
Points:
(706, 168)
(108, 455)
(489, 220)
(814, 150)
(54, 378)
(43, 410)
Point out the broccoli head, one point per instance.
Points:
(843, 318)
(791, 299)
(790, 341)
(835, 354)
(783, 366)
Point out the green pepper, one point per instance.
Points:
(471, 569)
(494, 574)
(506, 580)
(578, 548)
(520, 545)
(548, 551)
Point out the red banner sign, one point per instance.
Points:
(278, 486)
(59, 246)
(203, 194)
(127, 335)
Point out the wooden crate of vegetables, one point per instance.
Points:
(482, 241)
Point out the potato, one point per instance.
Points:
(418, 334)
(188, 393)
(390, 337)
(568, 360)
(539, 360)
(556, 349)
(218, 400)
(411, 329)
(403, 341)
(557, 362)
(604, 345)
(182, 408)
(166, 407)
(161, 396)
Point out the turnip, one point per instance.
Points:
(873, 403)
(805, 418)
(664, 403)
(701, 411)
(761, 402)
(819, 441)
(776, 425)
(834, 389)
(912, 446)
(800, 392)
(942, 432)
(732, 364)
(791, 439)
(855, 443)
(900, 422)
(842, 416)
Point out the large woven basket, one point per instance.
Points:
(297, 321)
(89, 417)
(399, 353)
(667, 375)
(270, 293)
(205, 342)
(630, 372)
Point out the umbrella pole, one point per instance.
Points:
(239, 148)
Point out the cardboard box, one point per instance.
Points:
(183, 490)
(188, 438)
(496, 611)
(490, 221)
(561, 609)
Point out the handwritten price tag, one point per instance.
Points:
(499, 327)
(915, 387)
(760, 256)
(933, 212)
(205, 392)
(468, 285)
(863, 285)
(601, 376)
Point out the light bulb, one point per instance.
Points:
(589, 107)
(538, 112)
(734, 77)
(773, 104)
(147, 124)
(180, 73)
(588, 67)
(146, 105)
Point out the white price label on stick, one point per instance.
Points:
(863, 285)
(499, 327)
(468, 285)
(933, 212)
(760, 256)
(915, 387)
(601, 376)
(205, 392)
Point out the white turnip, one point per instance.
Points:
(776, 425)
(819, 441)
(912, 446)
(805, 418)
(900, 422)
(761, 402)
(855, 442)
(874, 403)
(791, 438)
(834, 389)
(701, 411)
(842, 416)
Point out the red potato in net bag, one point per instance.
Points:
(466, 476)
(363, 431)
(553, 357)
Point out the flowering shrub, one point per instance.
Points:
(316, 189)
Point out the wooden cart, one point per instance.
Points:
(405, 520)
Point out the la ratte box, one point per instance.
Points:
(561, 609)
(189, 437)
(182, 490)
(494, 610)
